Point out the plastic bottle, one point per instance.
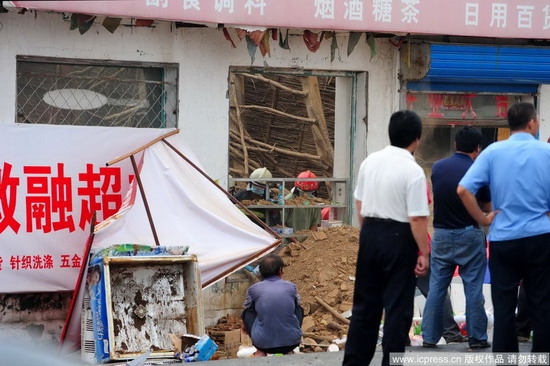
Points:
(280, 196)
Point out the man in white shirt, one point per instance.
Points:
(392, 206)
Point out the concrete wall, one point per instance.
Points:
(33, 318)
(225, 297)
(204, 58)
(544, 112)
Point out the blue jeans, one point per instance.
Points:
(464, 248)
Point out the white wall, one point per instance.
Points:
(204, 58)
(544, 111)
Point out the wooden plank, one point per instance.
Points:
(318, 337)
(314, 106)
(331, 310)
(233, 90)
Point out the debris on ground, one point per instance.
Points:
(323, 268)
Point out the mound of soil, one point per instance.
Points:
(323, 266)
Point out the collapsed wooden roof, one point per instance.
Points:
(283, 122)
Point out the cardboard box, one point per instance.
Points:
(232, 342)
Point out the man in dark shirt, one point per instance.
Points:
(273, 315)
(458, 241)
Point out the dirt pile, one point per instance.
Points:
(323, 267)
(225, 323)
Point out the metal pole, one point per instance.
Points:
(81, 274)
(149, 216)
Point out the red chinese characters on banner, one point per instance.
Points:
(48, 197)
(110, 202)
(46, 261)
(502, 106)
(8, 199)
(38, 200)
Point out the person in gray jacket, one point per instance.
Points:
(272, 313)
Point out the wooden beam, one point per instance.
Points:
(274, 105)
(314, 106)
(274, 83)
(278, 112)
(143, 147)
(318, 337)
(331, 310)
(233, 150)
(269, 148)
(238, 120)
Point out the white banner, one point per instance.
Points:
(51, 180)
(53, 177)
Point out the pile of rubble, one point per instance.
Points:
(323, 269)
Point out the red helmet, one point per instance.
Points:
(306, 186)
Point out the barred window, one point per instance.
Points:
(69, 92)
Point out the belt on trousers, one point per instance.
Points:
(469, 227)
(378, 219)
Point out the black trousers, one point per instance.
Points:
(450, 328)
(511, 261)
(385, 280)
(523, 316)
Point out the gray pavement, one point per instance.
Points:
(335, 358)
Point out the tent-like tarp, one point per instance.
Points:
(187, 208)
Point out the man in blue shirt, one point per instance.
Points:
(458, 241)
(518, 173)
(273, 315)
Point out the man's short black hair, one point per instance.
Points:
(520, 114)
(468, 139)
(271, 265)
(405, 128)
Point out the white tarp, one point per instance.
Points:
(187, 209)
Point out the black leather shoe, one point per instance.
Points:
(429, 345)
(480, 344)
(458, 338)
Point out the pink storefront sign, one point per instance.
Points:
(485, 18)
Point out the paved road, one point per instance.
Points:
(335, 358)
